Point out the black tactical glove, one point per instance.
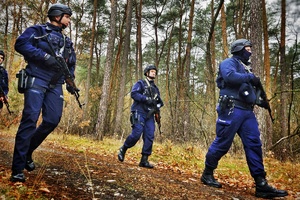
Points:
(51, 62)
(264, 104)
(254, 80)
(70, 89)
(150, 101)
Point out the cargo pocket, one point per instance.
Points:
(222, 127)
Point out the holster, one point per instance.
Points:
(24, 81)
(134, 117)
(225, 102)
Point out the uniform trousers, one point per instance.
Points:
(39, 98)
(244, 123)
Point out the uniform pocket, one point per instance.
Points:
(223, 126)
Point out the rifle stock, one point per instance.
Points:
(157, 119)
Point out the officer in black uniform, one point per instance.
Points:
(146, 103)
(3, 78)
(235, 115)
(40, 45)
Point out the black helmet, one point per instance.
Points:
(58, 10)
(2, 53)
(239, 45)
(148, 68)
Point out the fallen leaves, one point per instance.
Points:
(44, 190)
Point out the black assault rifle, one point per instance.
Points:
(157, 119)
(154, 108)
(261, 99)
(2, 94)
(69, 78)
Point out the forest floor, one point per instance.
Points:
(68, 173)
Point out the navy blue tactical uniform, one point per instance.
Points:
(4, 80)
(3, 77)
(237, 87)
(146, 103)
(39, 44)
(237, 118)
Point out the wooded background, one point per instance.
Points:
(186, 40)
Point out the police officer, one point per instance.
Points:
(235, 115)
(146, 103)
(3, 78)
(40, 44)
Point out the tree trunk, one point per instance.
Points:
(284, 84)
(256, 58)
(139, 61)
(266, 64)
(224, 33)
(78, 18)
(180, 79)
(103, 104)
(124, 64)
(210, 101)
(187, 127)
(17, 16)
(89, 71)
(168, 95)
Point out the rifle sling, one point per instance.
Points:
(153, 110)
(56, 76)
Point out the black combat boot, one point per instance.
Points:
(30, 166)
(264, 190)
(208, 178)
(144, 162)
(121, 154)
(17, 177)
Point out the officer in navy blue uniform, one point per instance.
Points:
(40, 44)
(146, 103)
(235, 115)
(3, 78)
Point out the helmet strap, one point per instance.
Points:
(59, 21)
(150, 77)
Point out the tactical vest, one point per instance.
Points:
(2, 77)
(54, 42)
(149, 89)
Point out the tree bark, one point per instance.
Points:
(107, 74)
(139, 61)
(224, 33)
(187, 127)
(124, 65)
(256, 58)
(89, 72)
(267, 65)
(210, 101)
(284, 85)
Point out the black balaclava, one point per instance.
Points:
(243, 55)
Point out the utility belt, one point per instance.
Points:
(26, 81)
(135, 118)
(243, 105)
(228, 102)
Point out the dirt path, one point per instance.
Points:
(65, 174)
